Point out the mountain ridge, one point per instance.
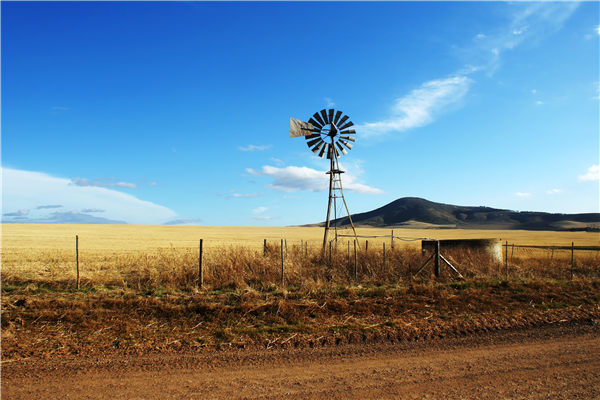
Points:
(415, 212)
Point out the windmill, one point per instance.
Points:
(327, 133)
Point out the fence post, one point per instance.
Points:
(306, 249)
(200, 270)
(77, 258)
(392, 239)
(355, 262)
(265, 248)
(366, 246)
(282, 276)
(506, 261)
(436, 264)
(572, 258)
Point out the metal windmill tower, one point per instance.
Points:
(326, 132)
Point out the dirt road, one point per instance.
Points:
(558, 361)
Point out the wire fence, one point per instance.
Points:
(299, 263)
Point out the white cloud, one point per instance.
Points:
(554, 191)
(420, 107)
(329, 102)
(539, 103)
(592, 174)
(237, 195)
(597, 29)
(294, 179)
(29, 189)
(522, 194)
(252, 147)
(102, 182)
(259, 210)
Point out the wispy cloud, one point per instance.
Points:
(102, 182)
(554, 191)
(523, 194)
(184, 221)
(259, 210)
(49, 206)
(329, 102)
(28, 189)
(592, 174)
(427, 102)
(92, 210)
(294, 179)
(597, 29)
(253, 147)
(18, 213)
(420, 107)
(237, 195)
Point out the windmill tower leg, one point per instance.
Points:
(327, 220)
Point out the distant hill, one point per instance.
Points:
(414, 212)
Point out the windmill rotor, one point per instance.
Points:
(325, 132)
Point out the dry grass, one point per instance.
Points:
(139, 288)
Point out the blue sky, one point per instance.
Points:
(150, 112)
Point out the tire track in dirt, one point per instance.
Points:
(561, 362)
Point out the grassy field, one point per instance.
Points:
(117, 238)
(152, 257)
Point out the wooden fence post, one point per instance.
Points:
(436, 264)
(392, 239)
(265, 248)
(77, 258)
(366, 246)
(200, 270)
(282, 276)
(572, 258)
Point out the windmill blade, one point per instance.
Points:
(317, 147)
(314, 135)
(346, 125)
(348, 145)
(319, 119)
(344, 118)
(344, 152)
(315, 123)
(311, 143)
(348, 138)
(324, 115)
(348, 132)
(330, 115)
(338, 114)
(300, 128)
(337, 154)
(322, 151)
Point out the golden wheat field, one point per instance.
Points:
(144, 256)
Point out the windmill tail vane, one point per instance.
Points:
(327, 133)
